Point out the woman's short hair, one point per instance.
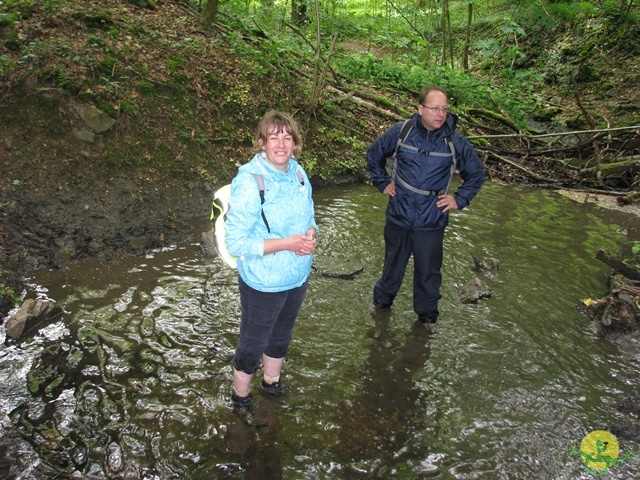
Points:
(275, 122)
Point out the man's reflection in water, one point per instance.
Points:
(378, 424)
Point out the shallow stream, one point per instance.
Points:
(134, 380)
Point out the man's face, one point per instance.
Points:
(432, 117)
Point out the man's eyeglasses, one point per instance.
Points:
(435, 109)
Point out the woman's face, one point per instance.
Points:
(279, 149)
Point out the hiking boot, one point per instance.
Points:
(243, 407)
(382, 306)
(428, 322)
(427, 319)
(275, 388)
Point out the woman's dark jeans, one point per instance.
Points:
(266, 324)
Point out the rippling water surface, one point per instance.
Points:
(134, 380)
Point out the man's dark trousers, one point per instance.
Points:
(427, 250)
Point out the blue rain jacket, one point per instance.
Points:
(289, 210)
(413, 210)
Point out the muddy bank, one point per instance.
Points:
(46, 228)
(43, 231)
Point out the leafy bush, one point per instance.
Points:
(621, 27)
(465, 91)
(569, 12)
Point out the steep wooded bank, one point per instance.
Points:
(117, 121)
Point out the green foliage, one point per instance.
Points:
(569, 12)
(59, 75)
(19, 8)
(7, 294)
(100, 20)
(503, 51)
(489, 47)
(106, 66)
(95, 41)
(621, 26)
(7, 19)
(370, 67)
(147, 88)
(5, 64)
(635, 250)
(462, 87)
(130, 107)
(393, 48)
(539, 20)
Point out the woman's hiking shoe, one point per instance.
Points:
(243, 407)
(275, 388)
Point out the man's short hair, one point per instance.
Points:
(427, 90)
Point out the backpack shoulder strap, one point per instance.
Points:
(449, 141)
(454, 160)
(404, 133)
(261, 188)
(260, 181)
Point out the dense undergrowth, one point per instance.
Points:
(179, 85)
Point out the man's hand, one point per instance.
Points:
(390, 189)
(446, 203)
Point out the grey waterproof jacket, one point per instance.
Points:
(424, 171)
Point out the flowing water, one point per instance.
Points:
(133, 381)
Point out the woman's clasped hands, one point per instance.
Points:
(304, 244)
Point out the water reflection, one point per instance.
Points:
(378, 424)
(134, 381)
(256, 446)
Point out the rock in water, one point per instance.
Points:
(31, 314)
(486, 265)
(473, 291)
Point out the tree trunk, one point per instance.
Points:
(467, 39)
(211, 11)
(299, 12)
(443, 28)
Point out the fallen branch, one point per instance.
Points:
(606, 170)
(558, 134)
(618, 265)
(520, 167)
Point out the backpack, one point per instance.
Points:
(221, 203)
(404, 134)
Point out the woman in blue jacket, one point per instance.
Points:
(428, 149)
(273, 239)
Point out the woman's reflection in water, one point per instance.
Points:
(255, 445)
